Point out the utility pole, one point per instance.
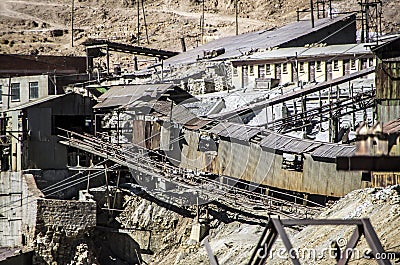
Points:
(138, 22)
(145, 24)
(312, 13)
(72, 24)
(236, 17)
(202, 23)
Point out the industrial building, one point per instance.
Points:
(300, 64)
(321, 106)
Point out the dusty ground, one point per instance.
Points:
(26, 26)
(233, 242)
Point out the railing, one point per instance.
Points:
(135, 158)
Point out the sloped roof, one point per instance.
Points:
(392, 127)
(123, 95)
(236, 46)
(36, 102)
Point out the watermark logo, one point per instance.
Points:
(335, 251)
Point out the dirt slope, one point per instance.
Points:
(27, 26)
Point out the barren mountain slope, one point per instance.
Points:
(28, 26)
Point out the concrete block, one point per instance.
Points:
(199, 231)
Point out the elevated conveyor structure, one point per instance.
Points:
(207, 189)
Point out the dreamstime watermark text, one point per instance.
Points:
(332, 252)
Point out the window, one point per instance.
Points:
(371, 62)
(284, 68)
(335, 65)
(1, 94)
(15, 92)
(245, 71)
(301, 67)
(353, 64)
(268, 68)
(293, 162)
(261, 71)
(318, 66)
(251, 69)
(234, 71)
(33, 90)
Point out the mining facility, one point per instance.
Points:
(273, 146)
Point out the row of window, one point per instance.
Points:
(16, 91)
(265, 69)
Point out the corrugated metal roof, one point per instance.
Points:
(36, 102)
(343, 49)
(284, 143)
(125, 94)
(182, 115)
(392, 127)
(235, 131)
(333, 150)
(236, 46)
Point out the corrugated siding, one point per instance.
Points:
(191, 158)
(138, 133)
(388, 80)
(146, 134)
(323, 178)
(383, 179)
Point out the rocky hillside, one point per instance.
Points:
(42, 26)
(232, 242)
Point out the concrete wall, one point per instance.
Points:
(19, 259)
(18, 195)
(43, 82)
(320, 76)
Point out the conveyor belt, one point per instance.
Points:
(210, 190)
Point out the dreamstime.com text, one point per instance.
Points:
(312, 254)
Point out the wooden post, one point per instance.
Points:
(312, 13)
(320, 110)
(330, 115)
(72, 24)
(138, 22)
(145, 24)
(202, 23)
(108, 61)
(236, 17)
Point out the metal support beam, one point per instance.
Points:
(276, 227)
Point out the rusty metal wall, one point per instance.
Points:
(388, 80)
(322, 178)
(191, 158)
(382, 179)
(146, 134)
(153, 135)
(248, 161)
(138, 132)
(388, 110)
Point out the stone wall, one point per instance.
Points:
(63, 232)
(71, 216)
